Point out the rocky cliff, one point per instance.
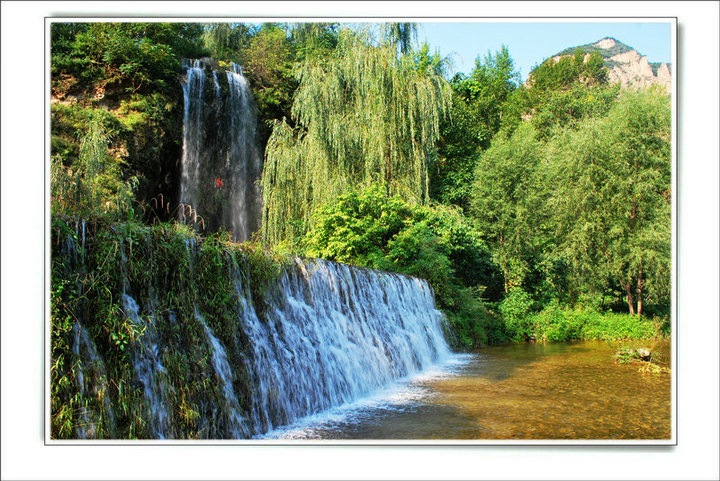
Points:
(625, 65)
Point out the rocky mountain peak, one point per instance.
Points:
(606, 43)
(625, 65)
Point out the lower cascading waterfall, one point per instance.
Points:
(326, 334)
(335, 333)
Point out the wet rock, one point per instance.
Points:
(643, 353)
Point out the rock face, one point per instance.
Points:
(630, 69)
(625, 65)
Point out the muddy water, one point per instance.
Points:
(521, 391)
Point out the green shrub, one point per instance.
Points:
(514, 310)
(437, 243)
(556, 323)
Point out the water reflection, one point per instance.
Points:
(525, 391)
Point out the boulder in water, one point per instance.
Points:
(643, 353)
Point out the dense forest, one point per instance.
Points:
(536, 210)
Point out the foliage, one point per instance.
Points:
(556, 323)
(612, 199)
(557, 73)
(514, 309)
(226, 41)
(427, 63)
(93, 182)
(567, 108)
(434, 243)
(400, 35)
(269, 60)
(314, 39)
(363, 115)
(131, 56)
(506, 196)
(475, 118)
(90, 275)
(560, 94)
(575, 202)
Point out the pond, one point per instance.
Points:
(560, 391)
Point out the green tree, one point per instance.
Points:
(613, 199)
(362, 115)
(558, 73)
(401, 35)
(560, 92)
(93, 183)
(314, 39)
(226, 41)
(128, 57)
(566, 108)
(427, 63)
(507, 200)
(475, 118)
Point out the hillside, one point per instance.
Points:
(625, 65)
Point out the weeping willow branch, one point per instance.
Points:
(365, 115)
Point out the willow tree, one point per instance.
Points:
(363, 115)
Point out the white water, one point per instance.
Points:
(328, 335)
(399, 397)
(221, 161)
(334, 334)
(150, 370)
(237, 423)
(90, 375)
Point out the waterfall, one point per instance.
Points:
(150, 370)
(237, 423)
(91, 378)
(334, 333)
(221, 160)
(320, 335)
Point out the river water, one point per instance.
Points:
(520, 391)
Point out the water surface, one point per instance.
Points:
(520, 391)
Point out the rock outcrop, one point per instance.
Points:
(625, 65)
(630, 69)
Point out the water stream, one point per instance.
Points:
(522, 391)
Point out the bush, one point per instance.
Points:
(514, 310)
(556, 324)
(437, 244)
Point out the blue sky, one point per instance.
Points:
(532, 42)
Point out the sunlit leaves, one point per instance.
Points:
(363, 115)
(612, 200)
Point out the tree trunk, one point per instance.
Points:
(387, 174)
(506, 274)
(639, 293)
(630, 302)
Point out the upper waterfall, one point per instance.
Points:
(221, 160)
